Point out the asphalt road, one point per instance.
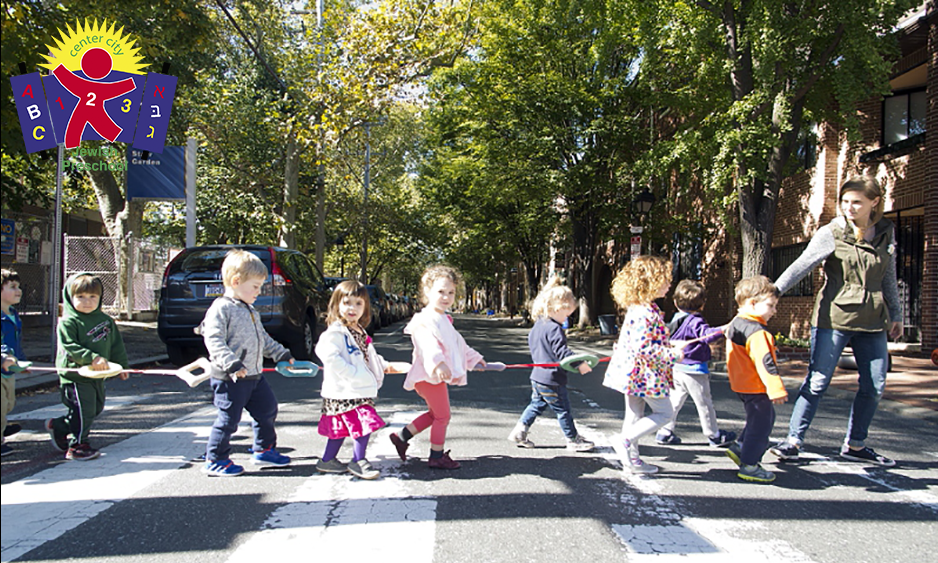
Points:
(145, 499)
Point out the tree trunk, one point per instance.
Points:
(291, 192)
(584, 243)
(321, 217)
(122, 219)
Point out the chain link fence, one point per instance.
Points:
(101, 256)
(27, 250)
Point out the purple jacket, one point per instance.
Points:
(695, 326)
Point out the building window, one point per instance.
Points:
(904, 116)
(687, 257)
(782, 258)
(806, 149)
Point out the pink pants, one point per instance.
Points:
(437, 418)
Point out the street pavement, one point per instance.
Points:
(145, 500)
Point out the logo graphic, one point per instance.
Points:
(96, 90)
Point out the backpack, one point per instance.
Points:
(677, 322)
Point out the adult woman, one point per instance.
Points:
(858, 304)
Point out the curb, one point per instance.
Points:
(32, 381)
(891, 405)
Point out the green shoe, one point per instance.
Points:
(733, 452)
(755, 473)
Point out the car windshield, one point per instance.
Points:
(210, 259)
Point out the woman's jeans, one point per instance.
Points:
(872, 355)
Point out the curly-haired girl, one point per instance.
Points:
(642, 362)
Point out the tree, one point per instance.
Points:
(748, 75)
(546, 106)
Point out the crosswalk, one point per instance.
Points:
(395, 518)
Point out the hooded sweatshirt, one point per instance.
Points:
(84, 336)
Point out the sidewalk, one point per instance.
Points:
(140, 339)
(911, 386)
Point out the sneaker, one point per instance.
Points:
(81, 452)
(270, 456)
(59, 442)
(363, 470)
(520, 437)
(785, 451)
(443, 462)
(223, 468)
(734, 453)
(5, 450)
(11, 429)
(723, 439)
(669, 439)
(331, 466)
(637, 466)
(401, 446)
(866, 454)
(755, 473)
(580, 444)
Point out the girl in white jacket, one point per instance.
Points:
(352, 374)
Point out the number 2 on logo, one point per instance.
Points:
(91, 98)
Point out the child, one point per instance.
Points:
(237, 343)
(753, 373)
(641, 364)
(352, 374)
(548, 344)
(692, 375)
(86, 337)
(12, 350)
(441, 358)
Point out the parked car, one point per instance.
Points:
(292, 303)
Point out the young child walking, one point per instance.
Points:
(441, 358)
(11, 349)
(86, 337)
(641, 365)
(237, 344)
(353, 371)
(692, 374)
(548, 344)
(753, 373)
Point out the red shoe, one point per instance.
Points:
(443, 462)
(401, 446)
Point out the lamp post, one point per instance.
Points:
(641, 206)
(340, 242)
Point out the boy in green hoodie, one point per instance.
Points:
(87, 337)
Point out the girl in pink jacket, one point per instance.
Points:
(441, 358)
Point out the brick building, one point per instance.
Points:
(895, 148)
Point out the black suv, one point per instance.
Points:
(292, 302)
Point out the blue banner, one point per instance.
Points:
(155, 108)
(159, 177)
(33, 112)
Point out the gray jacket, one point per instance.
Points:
(235, 339)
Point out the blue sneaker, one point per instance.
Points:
(722, 439)
(225, 468)
(270, 456)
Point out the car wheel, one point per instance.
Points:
(303, 348)
(180, 355)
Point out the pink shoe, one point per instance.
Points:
(401, 446)
(443, 462)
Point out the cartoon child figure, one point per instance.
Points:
(96, 64)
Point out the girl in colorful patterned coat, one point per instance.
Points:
(641, 366)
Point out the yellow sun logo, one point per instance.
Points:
(95, 51)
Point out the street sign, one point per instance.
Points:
(636, 249)
(158, 178)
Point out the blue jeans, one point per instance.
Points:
(253, 395)
(555, 397)
(872, 355)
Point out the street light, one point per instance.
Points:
(641, 206)
(340, 242)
